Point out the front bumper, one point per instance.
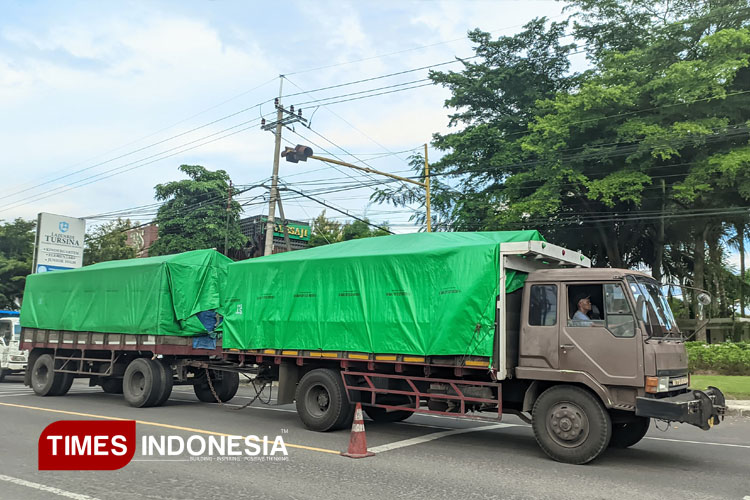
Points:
(703, 409)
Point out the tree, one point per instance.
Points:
(108, 242)
(326, 231)
(194, 215)
(16, 256)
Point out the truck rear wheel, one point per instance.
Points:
(167, 382)
(225, 387)
(142, 384)
(570, 424)
(321, 401)
(626, 434)
(112, 385)
(44, 380)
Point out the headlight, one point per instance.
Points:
(17, 358)
(657, 384)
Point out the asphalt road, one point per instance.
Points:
(424, 457)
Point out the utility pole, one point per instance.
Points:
(283, 117)
(226, 227)
(275, 175)
(427, 189)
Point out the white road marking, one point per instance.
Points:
(700, 442)
(435, 435)
(48, 489)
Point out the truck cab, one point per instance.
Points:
(612, 333)
(12, 359)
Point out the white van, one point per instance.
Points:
(12, 360)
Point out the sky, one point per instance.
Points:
(101, 101)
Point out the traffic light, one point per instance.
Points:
(297, 153)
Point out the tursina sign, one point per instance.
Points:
(59, 242)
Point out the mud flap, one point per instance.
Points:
(703, 409)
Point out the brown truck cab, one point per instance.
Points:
(612, 333)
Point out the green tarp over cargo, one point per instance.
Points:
(155, 295)
(422, 294)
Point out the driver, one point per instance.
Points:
(581, 316)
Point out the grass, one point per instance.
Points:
(733, 386)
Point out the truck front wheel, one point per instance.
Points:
(321, 401)
(570, 424)
(626, 434)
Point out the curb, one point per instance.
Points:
(738, 411)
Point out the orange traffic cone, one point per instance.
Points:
(357, 441)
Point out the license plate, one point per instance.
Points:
(678, 381)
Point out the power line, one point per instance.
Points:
(51, 193)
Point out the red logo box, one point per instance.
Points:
(87, 445)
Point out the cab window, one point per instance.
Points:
(543, 305)
(585, 306)
(620, 320)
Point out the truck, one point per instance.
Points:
(12, 359)
(470, 325)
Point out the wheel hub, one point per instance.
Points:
(568, 424)
(323, 400)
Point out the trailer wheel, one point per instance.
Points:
(44, 380)
(570, 424)
(626, 434)
(167, 382)
(383, 415)
(321, 401)
(225, 387)
(141, 384)
(112, 385)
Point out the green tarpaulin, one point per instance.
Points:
(155, 295)
(422, 294)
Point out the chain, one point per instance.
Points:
(258, 393)
(211, 386)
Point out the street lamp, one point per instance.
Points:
(302, 153)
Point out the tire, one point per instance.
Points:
(229, 384)
(321, 401)
(225, 388)
(382, 415)
(65, 381)
(112, 385)
(626, 434)
(167, 382)
(570, 424)
(44, 380)
(142, 384)
(2, 374)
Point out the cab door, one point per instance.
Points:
(6, 337)
(608, 346)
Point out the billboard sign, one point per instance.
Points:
(59, 242)
(296, 231)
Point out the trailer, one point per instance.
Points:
(471, 325)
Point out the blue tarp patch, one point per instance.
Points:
(204, 342)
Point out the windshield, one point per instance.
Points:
(652, 307)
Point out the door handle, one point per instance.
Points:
(567, 347)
